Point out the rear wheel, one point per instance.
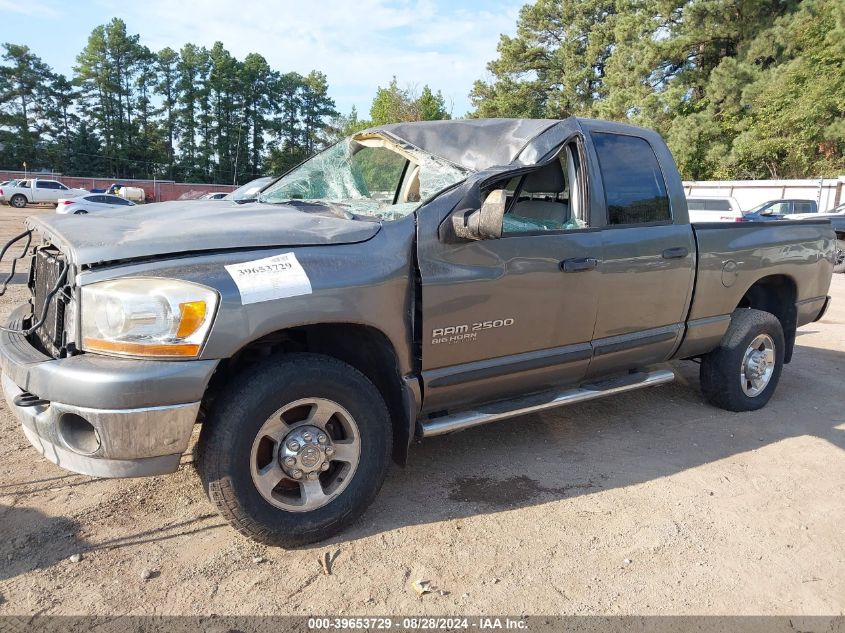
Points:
(80, 212)
(839, 256)
(18, 201)
(743, 372)
(296, 450)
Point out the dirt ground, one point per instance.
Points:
(648, 503)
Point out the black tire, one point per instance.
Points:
(18, 201)
(720, 369)
(226, 441)
(839, 255)
(80, 212)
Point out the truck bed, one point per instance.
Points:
(796, 256)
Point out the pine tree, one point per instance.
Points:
(191, 68)
(168, 76)
(256, 79)
(25, 101)
(109, 71)
(315, 108)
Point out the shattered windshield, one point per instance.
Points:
(366, 175)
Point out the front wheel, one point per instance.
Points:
(296, 450)
(743, 372)
(839, 256)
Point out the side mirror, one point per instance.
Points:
(484, 223)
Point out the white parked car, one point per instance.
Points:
(37, 191)
(92, 202)
(249, 192)
(713, 209)
(215, 195)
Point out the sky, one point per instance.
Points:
(359, 44)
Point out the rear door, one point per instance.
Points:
(648, 251)
(39, 191)
(47, 190)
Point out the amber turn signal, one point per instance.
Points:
(140, 349)
(191, 317)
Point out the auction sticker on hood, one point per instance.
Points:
(270, 278)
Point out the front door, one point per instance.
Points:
(513, 315)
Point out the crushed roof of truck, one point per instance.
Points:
(471, 143)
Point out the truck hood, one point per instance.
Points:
(195, 225)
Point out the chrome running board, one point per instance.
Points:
(540, 402)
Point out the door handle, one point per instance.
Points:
(578, 264)
(676, 253)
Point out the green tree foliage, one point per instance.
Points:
(316, 106)
(167, 76)
(26, 101)
(740, 88)
(343, 125)
(192, 72)
(257, 80)
(394, 104)
(431, 107)
(198, 114)
(796, 101)
(108, 71)
(303, 111)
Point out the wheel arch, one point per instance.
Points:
(777, 295)
(364, 347)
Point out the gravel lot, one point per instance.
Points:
(648, 503)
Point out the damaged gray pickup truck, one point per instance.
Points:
(413, 280)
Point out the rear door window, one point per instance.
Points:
(717, 205)
(708, 205)
(634, 187)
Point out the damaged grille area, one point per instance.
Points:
(48, 268)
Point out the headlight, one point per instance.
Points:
(146, 317)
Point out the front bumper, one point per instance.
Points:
(138, 414)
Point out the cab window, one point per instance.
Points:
(779, 208)
(547, 199)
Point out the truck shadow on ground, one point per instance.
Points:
(526, 461)
(605, 444)
(33, 540)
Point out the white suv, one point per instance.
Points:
(707, 209)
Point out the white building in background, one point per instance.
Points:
(827, 192)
